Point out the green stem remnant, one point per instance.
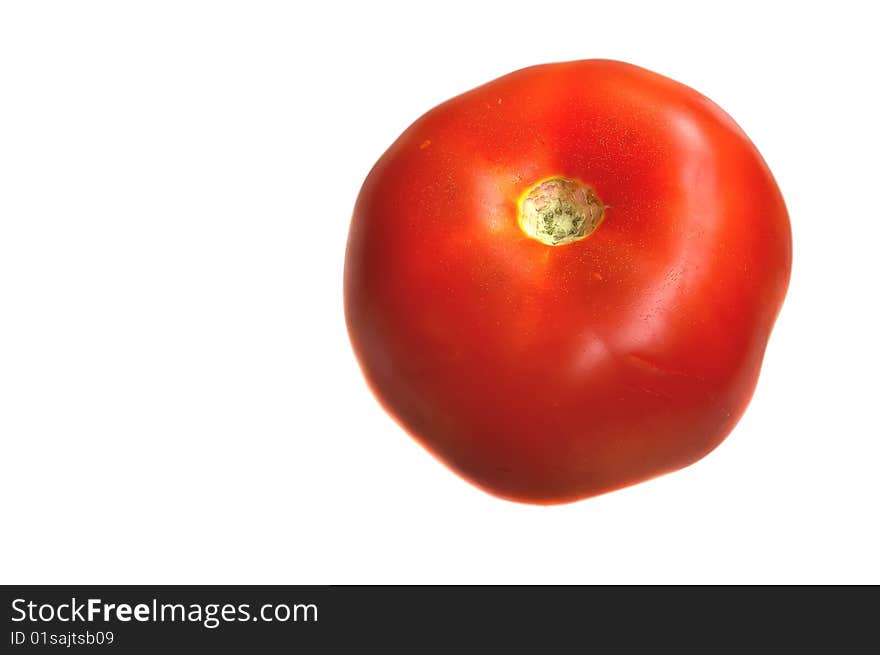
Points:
(559, 211)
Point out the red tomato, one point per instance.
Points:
(563, 282)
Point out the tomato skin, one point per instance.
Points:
(547, 374)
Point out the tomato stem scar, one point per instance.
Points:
(558, 210)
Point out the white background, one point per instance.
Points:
(178, 399)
